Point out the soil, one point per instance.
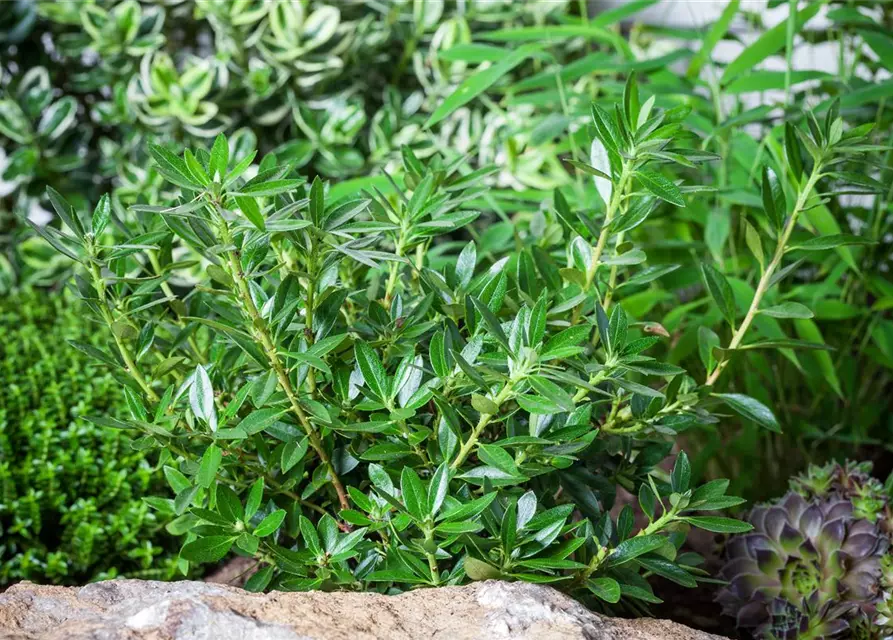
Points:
(234, 572)
(694, 608)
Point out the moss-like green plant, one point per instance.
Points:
(71, 505)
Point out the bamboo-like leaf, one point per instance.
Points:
(479, 82)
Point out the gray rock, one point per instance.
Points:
(141, 610)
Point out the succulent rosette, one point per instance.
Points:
(809, 569)
(850, 481)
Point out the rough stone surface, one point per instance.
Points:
(140, 610)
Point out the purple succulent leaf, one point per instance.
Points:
(752, 614)
(756, 543)
(754, 586)
(768, 561)
(807, 551)
(861, 544)
(737, 546)
(757, 518)
(811, 521)
(862, 584)
(790, 538)
(795, 505)
(832, 628)
(839, 510)
(775, 521)
(831, 536)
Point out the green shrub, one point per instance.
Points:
(71, 493)
(346, 392)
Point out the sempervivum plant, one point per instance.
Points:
(809, 569)
(850, 481)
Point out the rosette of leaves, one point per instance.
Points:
(237, 26)
(851, 481)
(168, 97)
(330, 129)
(355, 399)
(808, 569)
(115, 35)
(38, 136)
(71, 493)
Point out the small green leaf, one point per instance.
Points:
(788, 310)
(773, 198)
(538, 405)
(497, 457)
(721, 291)
(438, 488)
(634, 547)
(823, 243)
(292, 453)
(201, 398)
(415, 499)
(792, 151)
(374, 374)
(208, 549)
(228, 504)
(751, 409)
(219, 158)
(752, 238)
(260, 580)
(482, 404)
(617, 327)
(480, 570)
(493, 324)
(250, 209)
(101, 215)
(661, 187)
(555, 394)
(172, 167)
(207, 470)
(255, 496)
(257, 421)
(465, 265)
(607, 589)
(438, 356)
(718, 525)
(681, 475)
(66, 212)
(270, 524)
(565, 343)
(708, 341)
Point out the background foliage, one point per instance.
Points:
(335, 88)
(71, 507)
